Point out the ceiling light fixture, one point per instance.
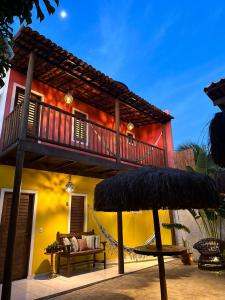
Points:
(68, 98)
(69, 186)
(130, 126)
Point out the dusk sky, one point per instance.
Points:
(165, 51)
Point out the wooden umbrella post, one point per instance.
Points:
(119, 214)
(162, 275)
(120, 243)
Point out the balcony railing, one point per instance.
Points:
(53, 126)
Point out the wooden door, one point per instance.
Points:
(77, 214)
(23, 235)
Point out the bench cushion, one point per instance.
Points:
(89, 251)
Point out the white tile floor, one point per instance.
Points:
(28, 289)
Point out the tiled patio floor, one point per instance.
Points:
(28, 289)
(183, 283)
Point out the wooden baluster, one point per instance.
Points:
(152, 151)
(41, 122)
(6, 132)
(64, 135)
(85, 134)
(35, 125)
(47, 123)
(53, 125)
(10, 128)
(101, 141)
(93, 137)
(96, 139)
(79, 135)
(2, 146)
(59, 127)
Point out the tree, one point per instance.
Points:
(23, 10)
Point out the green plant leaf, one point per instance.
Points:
(177, 226)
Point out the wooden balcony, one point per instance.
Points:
(54, 133)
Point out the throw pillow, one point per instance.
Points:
(90, 241)
(97, 241)
(82, 244)
(66, 241)
(74, 244)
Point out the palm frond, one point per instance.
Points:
(177, 226)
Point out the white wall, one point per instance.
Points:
(3, 94)
(185, 218)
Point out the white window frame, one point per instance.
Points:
(73, 127)
(15, 85)
(85, 209)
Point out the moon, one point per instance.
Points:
(63, 14)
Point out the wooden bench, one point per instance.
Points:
(66, 252)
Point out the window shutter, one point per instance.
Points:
(77, 214)
(80, 127)
(33, 113)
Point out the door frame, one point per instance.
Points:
(85, 209)
(35, 193)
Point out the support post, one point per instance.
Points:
(25, 107)
(117, 121)
(173, 236)
(165, 144)
(20, 154)
(8, 266)
(162, 275)
(119, 214)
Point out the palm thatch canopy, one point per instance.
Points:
(152, 187)
(217, 138)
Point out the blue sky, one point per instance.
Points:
(165, 51)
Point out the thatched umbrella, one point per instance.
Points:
(156, 188)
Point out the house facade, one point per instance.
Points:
(77, 125)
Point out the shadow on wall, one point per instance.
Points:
(45, 265)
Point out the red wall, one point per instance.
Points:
(151, 134)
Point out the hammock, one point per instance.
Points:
(145, 156)
(148, 153)
(113, 244)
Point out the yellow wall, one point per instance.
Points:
(52, 212)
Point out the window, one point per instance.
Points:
(130, 136)
(80, 127)
(33, 116)
(77, 214)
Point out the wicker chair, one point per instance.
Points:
(211, 258)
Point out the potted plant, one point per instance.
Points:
(53, 247)
(187, 257)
